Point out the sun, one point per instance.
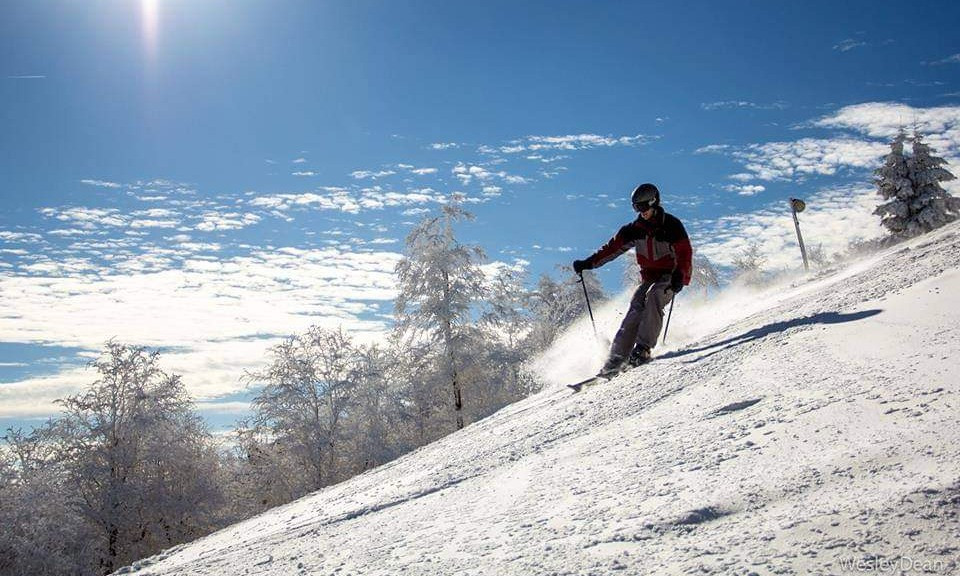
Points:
(150, 25)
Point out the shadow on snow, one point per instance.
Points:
(772, 328)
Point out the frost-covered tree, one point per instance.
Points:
(895, 187)
(749, 265)
(502, 347)
(299, 413)
(440, 286)
(374, 425)
(423, 386)
(914, 200)
(818, 256)
(507, 307)
(138, 458)
(704, 275)
(931, 206)
(631, 273)
(557, 304)
(42, 531)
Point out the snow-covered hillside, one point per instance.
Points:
(817, 433)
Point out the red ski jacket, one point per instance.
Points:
(661, 243)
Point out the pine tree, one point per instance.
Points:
(915, 201)
(440, 283)
(894, 186)
(931, 207)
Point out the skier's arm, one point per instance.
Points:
(614, 247)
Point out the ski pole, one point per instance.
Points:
(669, 314)
(589, 309)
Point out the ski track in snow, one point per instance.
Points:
(820, 427)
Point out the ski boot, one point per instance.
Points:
(613, 366)
(641, 355)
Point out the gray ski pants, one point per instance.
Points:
(641, 326)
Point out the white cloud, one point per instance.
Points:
(834, 218)
(741, 104)
(367, 174)
(492, 191)
(147, 223)
(101, 183)
(745, 189)
(20, 237)
(808, 157)
(215, 221)
(86, 218)
(218, 315)
(303, 173)
(300, 161)
(424, 171)
(444, 145)
(581, 142)
(347, 200)
(154, 213)
(466, 173)
(712, 149)
(953, 59)
(849, 44)
(940, 125)
(873, 124)
(547, 159)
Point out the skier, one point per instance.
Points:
(664, 255)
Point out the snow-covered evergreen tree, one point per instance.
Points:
(894, 186)
(915, 202)
(931, 205)
(440, 285)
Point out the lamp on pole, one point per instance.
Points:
(798, 205)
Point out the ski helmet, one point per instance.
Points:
(645, 196)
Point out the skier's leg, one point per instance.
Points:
(627, 335)
(651, 320)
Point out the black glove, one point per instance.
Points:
(676, 283)
(580, 265)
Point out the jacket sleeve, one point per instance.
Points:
(684, 252)
(614, 247)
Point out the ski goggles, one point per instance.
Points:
(644, 205)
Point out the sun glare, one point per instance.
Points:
(150, 23)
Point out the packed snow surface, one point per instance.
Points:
(809, 429)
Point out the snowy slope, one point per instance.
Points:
(821, 426)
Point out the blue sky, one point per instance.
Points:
(206, 177)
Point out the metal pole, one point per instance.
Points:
(669, 314)
(589, 309)
(797, 205)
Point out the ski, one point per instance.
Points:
(588, 382)
(598, 378)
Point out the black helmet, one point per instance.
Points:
(645, 196)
